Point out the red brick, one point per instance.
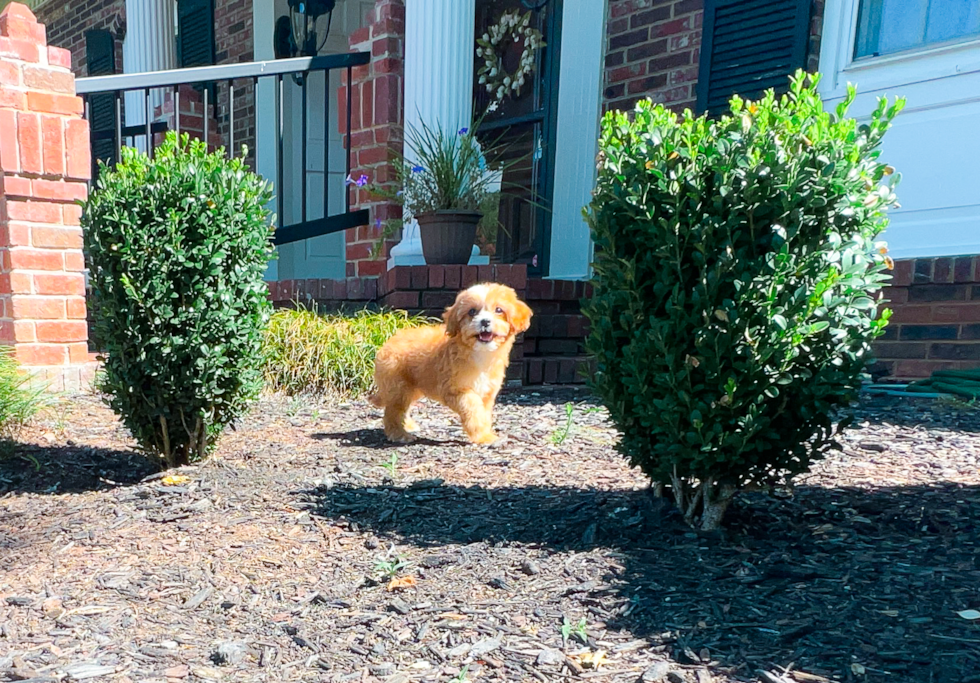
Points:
(625, 73)
(900, 350)
(628, 39)
(942, 270)
(49, 80)
(358, 251)
(59, 57)
(960, 313)
(23, 50)
(650, 49)
(62, 330)
(14, 186)
(453, 278)
(13, 234)
(484, 273)
(54, 103)
(533, 371)
(53, 146)
(469, 276)
(902, 273)
(371, 269)
(29, 142)
(23, 258)
(14, 24)
(437, 277)
(78, 352)
(72, 214)
(420, 277)
(60, 283)
(651, 16)
(401, 278)
(895, 295)
(42, 354)
(76, 309)
(912, 314)
(59, 191)
(37, 307)
(386, 109)
(10, 74)
(402, 300)
(9, 159)
(34, 211)
(16, 283)
(919, 369)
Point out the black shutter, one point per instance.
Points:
(749, 46)
(195, 33)
(100, 60)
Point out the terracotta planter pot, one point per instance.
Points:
(448, 236)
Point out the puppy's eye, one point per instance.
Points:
(500, 311)
(473, 312)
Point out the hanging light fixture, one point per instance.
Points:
(310, 21)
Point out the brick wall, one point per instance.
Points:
(936, 317)
(653, 48)
(44, 166)
(377, 101)
(68, 20)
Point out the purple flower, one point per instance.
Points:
(362, 181)
(400, 193)
(417, 169)
(377, 223)
(348, 181)
(464, 131)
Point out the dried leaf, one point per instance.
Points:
(401, 582)
(175, 480)
(970, 614)
(591, 660)
(857, 669)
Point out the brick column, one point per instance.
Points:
(44, 165)
(377, 92)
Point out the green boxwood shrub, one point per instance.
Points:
(177, 246)
(307, 352)
(736, 266)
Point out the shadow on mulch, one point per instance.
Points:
(927, 413)
(29, 468)
(828, 579)
(375, 440)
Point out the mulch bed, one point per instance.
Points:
(308, 549)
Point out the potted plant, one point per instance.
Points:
(444, 182)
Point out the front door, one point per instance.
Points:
(524, 122)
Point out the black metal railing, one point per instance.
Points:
(104, 100)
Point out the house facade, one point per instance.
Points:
(596, 56)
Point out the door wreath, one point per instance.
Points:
(512, 27)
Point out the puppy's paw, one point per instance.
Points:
(400, 437)
(411, 425)
(484, 439)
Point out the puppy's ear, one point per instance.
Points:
(451, 318)
(521, 319)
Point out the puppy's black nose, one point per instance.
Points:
(485, 323)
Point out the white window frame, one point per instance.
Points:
(876, 74)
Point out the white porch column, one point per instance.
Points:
(150, 45)
(439, 51)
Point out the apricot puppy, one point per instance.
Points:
(460, 363)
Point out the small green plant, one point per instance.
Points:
(561, 434)
(177, 249)
(392, 465)
(461, 676)
(736, 275)
(389, 567)
(19, 400)
(306, 352)
(579, 630)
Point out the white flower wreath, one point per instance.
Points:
(512, 27)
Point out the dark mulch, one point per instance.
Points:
(530, 560)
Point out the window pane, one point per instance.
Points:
(887, 26)
(949, 19)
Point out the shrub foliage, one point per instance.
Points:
(327, 354)
(736, 265)
(177, 247)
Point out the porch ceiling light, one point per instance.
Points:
(311, 24)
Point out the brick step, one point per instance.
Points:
(556, 369)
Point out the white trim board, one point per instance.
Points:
(579, 106)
